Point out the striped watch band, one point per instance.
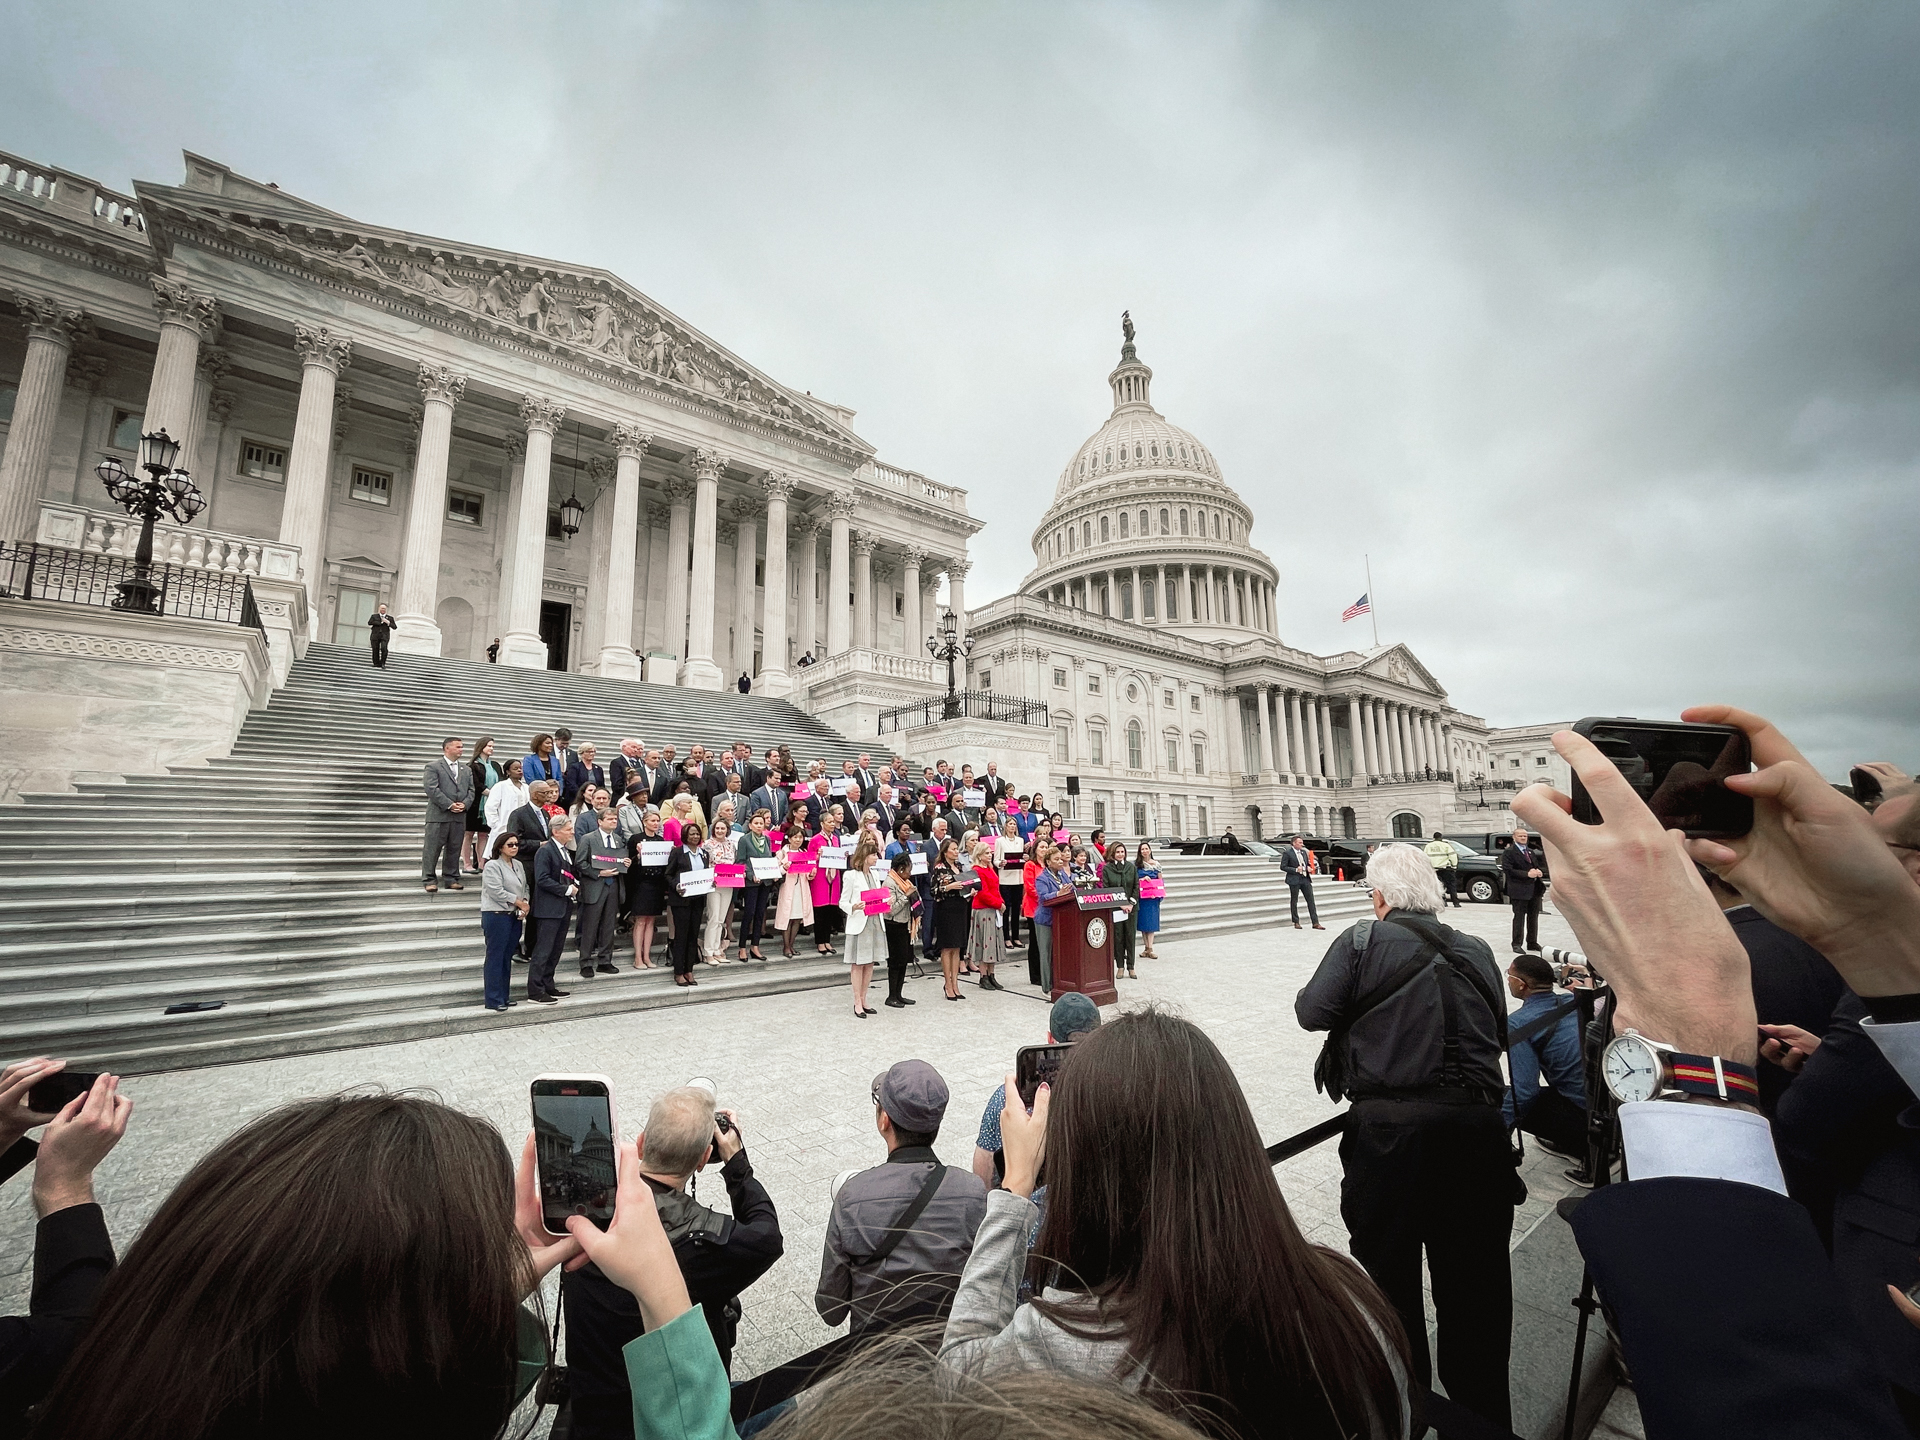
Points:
(1710, 1075)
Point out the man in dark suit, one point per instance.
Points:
(1298, 867)
(449, 787)
(740, 762)
(380, 628)
(528, 825)
(630, 762)
(1525, 868)
(869, 780)
(886, 808)
(554, 887)
(938, 831)
(564, 756)
(600, 858)
(996, 788)
(770, 797)
(702, 776)
(659, 777)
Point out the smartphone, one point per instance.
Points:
(1680, 770)
(576, 1149)
(56, 1092)
(1034, 1066)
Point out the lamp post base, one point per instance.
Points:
(140, 595)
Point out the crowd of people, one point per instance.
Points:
(1119, 1259)
(714, 856)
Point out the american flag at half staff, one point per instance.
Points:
(1358, 607)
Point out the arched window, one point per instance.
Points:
(1069, 541)
(1086, 532)
(1407, 826)
(1164, 529)
(1104, 537)
(1183, 522)
(1146, 527)
(1216, 524)
(1133, 745)
(1123, 524)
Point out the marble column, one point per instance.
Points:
(303, 505)
(1267, 772)
(1235, 733)
(1310, 735)
(521, 645)
(617, 659)
(774, 678)
(195, 459)
(700, 672)
(915, 635)
(1396, 740)
(1356, 731)
(418, 591)
(186, 319)
(726, 536)
(957, 592)
(839, 512)
(862, 544)
(807, 622)
(746, 516)
(51, 331)
(679, 537)
(1429, 756)
(1417, 735)
(1329, 756)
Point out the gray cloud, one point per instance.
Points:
(1598, 329)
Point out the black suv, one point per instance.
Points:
(1478, 877)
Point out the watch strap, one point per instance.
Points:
(1710, 1075)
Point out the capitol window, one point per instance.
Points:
(1086, 532)
(1199, 757)
(1173, 753)
(1216, 524)
(1138, 454)
(1165, 529)
(464, 507)
(1133, 745)
(1103, 530)
(1154, 449)
(1123, 524)
(259, 461)
(1196, 702)
(1146, 599)
(1183, 452)
(1063, 742)
(1145, 527)
(1060, 683)
(1126, 598)
(1093, 688)
(1183, 522)
(1109, 457)
(1069, 542)
(1096, 746)
(371, 487)
(124, 433)
(1166, 698)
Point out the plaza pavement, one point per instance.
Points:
(798, 1068)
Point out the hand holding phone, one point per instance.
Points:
(1679, 769)
(575, 1135)
(20, 1087)
(1034, 1066)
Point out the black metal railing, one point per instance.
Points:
(1465, 785)
(116, 582)
(964, 705)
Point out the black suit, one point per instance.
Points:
(689, 913)
(1793, 984)
(553, 876)
(869, 785)
(996, 788)
(623, 772)
(889, 816)
(1295, 863)
(1728, 1314)
(529, 825)
(659, 783)
(380, 629)
(1524, 891)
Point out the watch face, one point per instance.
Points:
(1096, 933)
(1632, 1069)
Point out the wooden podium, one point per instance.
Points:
(1083, 944)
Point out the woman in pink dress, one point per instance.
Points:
(826, 884)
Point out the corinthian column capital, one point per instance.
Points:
(316, 345)
(48, 319)
(541, 414)
(180, 306)
(707, 464)
(679, 490)
(631, 440)
(437, 382)
(778, 484)
(840, 505)
(957, 569)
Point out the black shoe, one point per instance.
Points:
(1579, 1176)
(1553, 1149)
(905, 1001)
(523, 959)
(897, 1004)
(605, 969)
(498, 1009)
(540, 997)
(554, 992)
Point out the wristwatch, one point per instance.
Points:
(1637, 1068)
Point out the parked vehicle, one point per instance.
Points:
(1479, 875)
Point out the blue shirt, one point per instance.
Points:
(1028, 823)
(989, 1138)
(1046, 885)
(1556, 1053)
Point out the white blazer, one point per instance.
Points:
(850, 901)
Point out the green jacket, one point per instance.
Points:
(680, 1388)
(1443, 855)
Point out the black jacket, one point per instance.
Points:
(601, 1317)
(72, 1255)
(1398, 1047)
(1793, 984)
(1515, 862)
(1728, 1314)
(529, 824)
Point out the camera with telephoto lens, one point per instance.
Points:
(701, 1082)
(1571, 970)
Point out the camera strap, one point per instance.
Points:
(904, 1221)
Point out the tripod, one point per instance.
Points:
(1603, 1147)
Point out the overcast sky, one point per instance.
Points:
(1597, 327)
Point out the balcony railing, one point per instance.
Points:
(913, 483)
(59, 189)
(972, 705)
(113, 582)
(1466, 786)
(68, 526)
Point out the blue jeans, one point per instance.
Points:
(502, 930)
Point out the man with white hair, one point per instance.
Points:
(1417, 1024)
(720, 1255)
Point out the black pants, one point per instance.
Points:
(380, 637)
(1123, 944)
(828, 921)
(595, 932)
(899, 955)
(1294, 892)
(755, 904)
(549, 939)
(1422, 1176)
(684, 948)
(1450, 878)
(1011, 910)
(1526, 915)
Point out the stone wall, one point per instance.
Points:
(1023, 751)
(97, 695)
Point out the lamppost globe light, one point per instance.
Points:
(179, 482)
(111, 472)
(158, 452)
(570, 512)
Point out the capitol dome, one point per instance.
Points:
(1143, 527)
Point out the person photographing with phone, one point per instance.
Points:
(719, 1255)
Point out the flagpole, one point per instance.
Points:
(1373, 608)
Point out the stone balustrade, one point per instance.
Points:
(75, 194)
(110, 532)
(913, 483)
(874, 662)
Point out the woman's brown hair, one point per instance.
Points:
(340, 1266)
(1163, 1210)
(533, 745)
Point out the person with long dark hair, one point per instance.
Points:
(352, 1265)
(689, 857)
(1206, 1299)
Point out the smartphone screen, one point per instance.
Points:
(56, 1092)
(575, 1148)
(1680, 770)
(1034, 1066)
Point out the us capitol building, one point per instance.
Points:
(533, 455)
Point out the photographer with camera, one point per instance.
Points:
(1728, 1311)
(1554, 1113)
(72, 1252)
(1417, 1026)
(720, 1255)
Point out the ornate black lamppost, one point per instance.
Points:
(947, 645)
(1478, 779)
(164, 491)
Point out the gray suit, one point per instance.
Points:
(447, 783)
(599, 870)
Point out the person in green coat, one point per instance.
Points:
(1119, 873)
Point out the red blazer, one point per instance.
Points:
(987, 897)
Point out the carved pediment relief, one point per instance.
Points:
(585, 312)
(1399, 666)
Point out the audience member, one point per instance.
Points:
(540, 763)
(1072, 1018)
(687, 865)
(718, 1256)
(866, 934)
(721, 845)
(1049, 881)
(899, 1235)
(986, 942)
(1418, 1025)
(1118, 873)
(757, 898)
(793, 907)
(555, 886)
(1297, 862)
(825, 883)
(953, 882)
(646, 889)
(1148, 918)
(503, 907)
(504, 796)
(486, 774)
(903, 903)
(1554, 1113)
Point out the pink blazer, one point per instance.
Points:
(826, 883)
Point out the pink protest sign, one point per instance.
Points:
(730, 877)
(874, 901)
(1151, 889)
(938, 792)
(799, 863)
